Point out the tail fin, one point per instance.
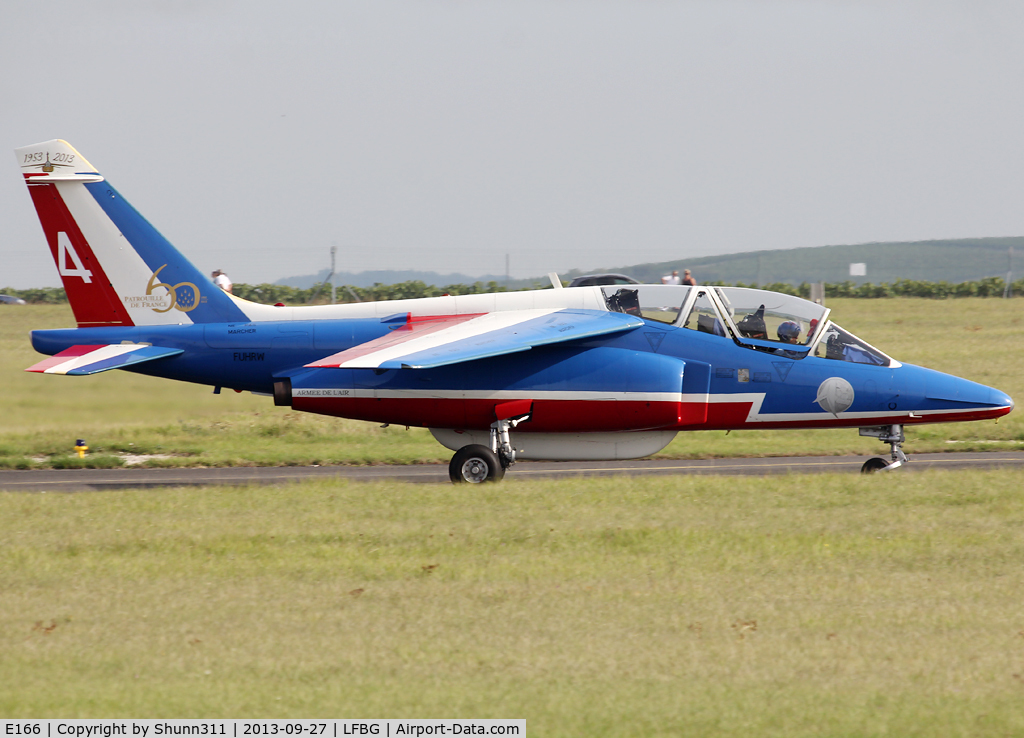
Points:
(117, 269)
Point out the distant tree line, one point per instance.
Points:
(38, 295)
(987, 287)
(321, 294)
(316, 295)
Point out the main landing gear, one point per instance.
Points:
(477, 464)
(893, 435)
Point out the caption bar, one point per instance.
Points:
(244, 728)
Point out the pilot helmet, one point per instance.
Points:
(789, 330)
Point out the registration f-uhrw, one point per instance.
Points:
(245, 728)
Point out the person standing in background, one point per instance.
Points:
(221, 280)
(688, 279)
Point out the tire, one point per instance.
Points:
(873, 465)
(475, 464)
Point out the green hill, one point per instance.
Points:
(951, 260)
(934, 261)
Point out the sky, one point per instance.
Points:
(444, 134)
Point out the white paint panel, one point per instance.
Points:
(57, 156)
(107, 352)
(127, 272)
(588, 298)
(469, 329)
(566, 446)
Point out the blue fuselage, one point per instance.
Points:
(722, 384)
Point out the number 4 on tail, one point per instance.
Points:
(65, 249)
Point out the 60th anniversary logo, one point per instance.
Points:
(162, 297)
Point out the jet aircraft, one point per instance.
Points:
(597, 372)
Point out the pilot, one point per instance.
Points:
(789, 331)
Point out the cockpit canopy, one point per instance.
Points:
(761, 314)
(761, 320)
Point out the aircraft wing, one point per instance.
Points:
(439, 340)
(79, 360)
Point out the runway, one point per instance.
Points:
(83, 480)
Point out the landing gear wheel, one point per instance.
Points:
(873, 465)
(475, 464)
(893, 435)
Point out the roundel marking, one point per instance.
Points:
(835, 395)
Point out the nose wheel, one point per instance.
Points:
(873, 465)
(893, 435)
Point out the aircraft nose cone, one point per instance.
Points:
(935, 392)
(1001, 399)
(945, 387)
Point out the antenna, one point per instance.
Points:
(1008, 287)
(330, 278)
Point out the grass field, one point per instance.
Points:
(790, 606)
(817, 605)
(121, 413)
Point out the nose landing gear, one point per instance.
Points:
(893, 435)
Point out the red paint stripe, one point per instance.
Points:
(582, 416)
(94, 303)
(512, 408)
(413, 320)
(80, 350)
(414, 327)
(69, 353)
(551, 416)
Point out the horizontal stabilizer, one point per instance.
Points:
(80, 360)
(433, 341)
